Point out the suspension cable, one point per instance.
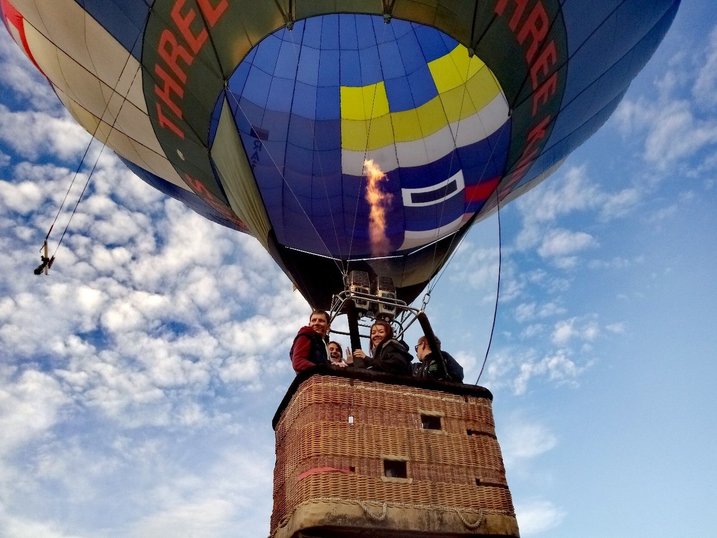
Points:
(497, 290)
(75, 175)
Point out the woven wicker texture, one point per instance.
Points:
(336, 433)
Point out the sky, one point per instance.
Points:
(139, 378)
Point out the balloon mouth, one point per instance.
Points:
(313, 105)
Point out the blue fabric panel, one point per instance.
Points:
(238, 79)
(392, 62)
(299, 160)
(304, 103)
(329, 32)
(424, 176)
(431, 43)
(370, 66)
(257, 86)
(557, 149)
(275, 124)
(398, 98)
(423, 88)
(124, 19)
(328, 105)
(287, 61)
(267, 55)
(435, 216)
(301, 133)
(365, 34)
(595, 57)
(281, 94)
(485, 159)
(350, 68)
(328, 162)
(329, 68)
(327, 135)
(411, 53)
(347, 32)
(309, 31)
(308, 71)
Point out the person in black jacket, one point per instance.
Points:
(428, 366)
(387, 354)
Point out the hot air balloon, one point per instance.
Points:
(272, 118)
(357, 141)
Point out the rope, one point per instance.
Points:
(497, 290)
(473, 525)
(87, 149)
(380, 517)
(462, 514)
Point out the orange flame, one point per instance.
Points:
(378, 202)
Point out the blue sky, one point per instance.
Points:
(138, 380)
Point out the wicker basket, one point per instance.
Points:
(374, 455)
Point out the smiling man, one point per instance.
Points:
(309, 347)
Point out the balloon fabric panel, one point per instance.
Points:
(272, 121)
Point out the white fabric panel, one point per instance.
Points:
(460, 186)
(412, 239)
(420, 152)
(68, 27)
(123, 145)
(89, 97)
(480, 126)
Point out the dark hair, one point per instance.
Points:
(321, 312)
(341, 351)
(386, 325)
(424, 339)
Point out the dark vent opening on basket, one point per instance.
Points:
(395, 469)
(430, 422)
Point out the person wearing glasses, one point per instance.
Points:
(309, 347)
(387, 354)
(428, 366)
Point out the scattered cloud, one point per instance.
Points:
(522, 440)
(537, 516)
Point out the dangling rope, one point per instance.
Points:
(46, 259)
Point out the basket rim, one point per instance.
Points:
(449, 387)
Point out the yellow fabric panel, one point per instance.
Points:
(380, 132)
(406, 125)
(466, 100)
(367, 123)
(453, 69)
(364, 102)
(431, 116)
(358, 135)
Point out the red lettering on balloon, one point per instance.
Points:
(178, 46)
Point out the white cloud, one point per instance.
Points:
(515, 369)
(33, 134)
(30, 405)
(522, 440)
(562, 243)
(14, 527)
(569, 192)
(538, 516)
(21, 197)
(530, 311)
(705, 88)
(571, 329)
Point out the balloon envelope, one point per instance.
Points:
(354, 134)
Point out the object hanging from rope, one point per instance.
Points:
(46, 259)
